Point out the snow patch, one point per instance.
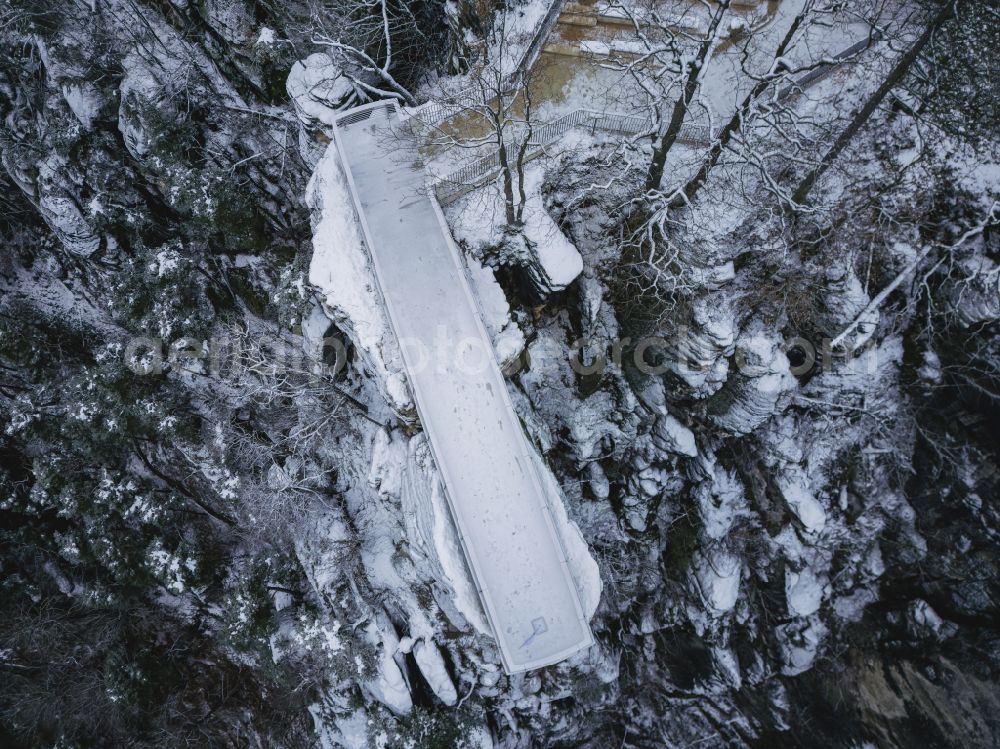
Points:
(797, 491)
(717, 574)
(508, 340)
(431, 665)
(803, 592)
(340, 270)
(266, 36)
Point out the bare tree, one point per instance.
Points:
(492, 120)
(284, 404)
(669, 68)
(764, 133)
(892, 80)
(779, 69)
(373, 41)
(877, 300)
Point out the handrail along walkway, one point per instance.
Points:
(524, 580)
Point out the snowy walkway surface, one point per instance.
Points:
(492, 483)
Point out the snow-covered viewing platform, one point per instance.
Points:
(495, 493)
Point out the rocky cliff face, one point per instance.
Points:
(220, 520)
(785, 493)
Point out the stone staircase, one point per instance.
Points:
(578, 14)
(595, 29)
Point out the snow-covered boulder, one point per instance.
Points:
(798, 493)
(318, 90)
(755, 391)
(59, 208)
(152, 78)
(800, 642)
(717, 575)
(670, 435)
(697, 351)
(556, 263)
(804, 591)
(84, 100)
(388, 686)
(604, 418)
(721, 500)
(923, 622)
(64, 70)
(597, 480)
(508, 340)
(547, 259)
(157, 79)
(432, 667)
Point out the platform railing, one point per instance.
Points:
(478, 172)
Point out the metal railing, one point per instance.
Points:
(481, 170)
(478, 172)
(434, 112)
(822, 71)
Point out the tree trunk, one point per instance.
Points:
(695, 70)
(896, 75)
(508, 185)
(522, 154)
(735, 123)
